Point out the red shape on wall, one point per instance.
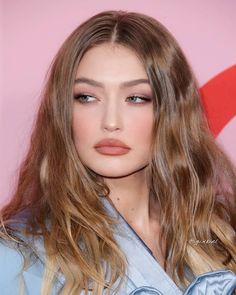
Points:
(219, 99)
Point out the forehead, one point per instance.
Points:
(111, 61)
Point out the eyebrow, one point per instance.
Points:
(101, 85)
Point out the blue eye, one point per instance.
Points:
(138, 99)
(84, 98)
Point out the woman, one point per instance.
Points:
(123, 190)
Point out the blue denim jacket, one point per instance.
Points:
(144, 273)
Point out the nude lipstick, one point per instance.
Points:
(111, 147)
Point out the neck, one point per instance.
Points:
(130, 196)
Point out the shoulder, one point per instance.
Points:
(21, 269)
(16, 274)
(11, 261)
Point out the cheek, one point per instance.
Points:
(140, 126)
(83, 127)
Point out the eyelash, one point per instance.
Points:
(81, 95)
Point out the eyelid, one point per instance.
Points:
(77, 96)
(83, 93)
(144, 98)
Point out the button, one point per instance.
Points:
(146, 291)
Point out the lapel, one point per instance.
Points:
(34, 274)
(143, 268)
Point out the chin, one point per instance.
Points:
(118, 173)
(114, 175)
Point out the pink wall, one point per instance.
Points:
(1, 59)
(33, 31)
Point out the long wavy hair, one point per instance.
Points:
(189, 175)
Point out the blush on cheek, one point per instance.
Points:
(141, 128)
(84, 131)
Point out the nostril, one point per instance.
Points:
(111, 127)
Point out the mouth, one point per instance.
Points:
(112, 147)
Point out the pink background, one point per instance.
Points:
(31, 32)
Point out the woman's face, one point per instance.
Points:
(112, 112)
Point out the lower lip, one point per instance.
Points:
(112, 150)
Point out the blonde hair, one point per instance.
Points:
(189, 175)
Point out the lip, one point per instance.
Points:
(111, 146)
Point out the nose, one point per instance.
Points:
(111, 120)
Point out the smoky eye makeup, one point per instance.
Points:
(135, 95)
(138, 99)
(84, 97)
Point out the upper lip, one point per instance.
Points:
(111, 142)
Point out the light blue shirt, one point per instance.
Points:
(145, 276)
